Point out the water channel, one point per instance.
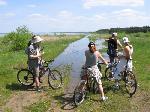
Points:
(74, 55)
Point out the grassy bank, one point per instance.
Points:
(119, 101)
(9, 60)
(53, 98)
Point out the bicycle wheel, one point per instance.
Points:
(95, 87)
(54, 79)
(130, 83)
(108, 73)
(79, 94)
(99, 67)
(25, 77)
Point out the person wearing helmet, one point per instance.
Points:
(34, 56)
(92, 56)
(125, 60)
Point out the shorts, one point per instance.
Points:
(34, 67)
(93, 72)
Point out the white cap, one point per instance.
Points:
(36, 39)
(125, 40)
(114, 34)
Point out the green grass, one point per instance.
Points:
(53, 97)
(119, 101)
(9, 60)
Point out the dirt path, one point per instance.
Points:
(66, 99)
(141, 101)
(22, 99)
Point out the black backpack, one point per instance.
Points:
(112, 46)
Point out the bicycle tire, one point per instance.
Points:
(79, 95)
(54, 79)
(95, 87)
(130, 81)
(107, 73)
(25, 77)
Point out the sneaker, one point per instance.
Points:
(38, 89)
(104, 98)
(117, 87)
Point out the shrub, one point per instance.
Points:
(17, 40)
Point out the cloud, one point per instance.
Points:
(68, 21)
(95, 3)
(32, 5)
(2, 2)
(10, 14)
(64, 14)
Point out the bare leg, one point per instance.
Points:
(101, 90)
(37, 81)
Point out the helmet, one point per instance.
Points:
(114, 34)
(125, 40)
(91, 44)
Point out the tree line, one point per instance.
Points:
(126, 30)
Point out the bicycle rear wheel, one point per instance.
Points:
(54, 79)
(79, 94)
(130, 83)
(25, 77)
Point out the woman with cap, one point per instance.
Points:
(92, 56)
(125, 59)
(34, 56)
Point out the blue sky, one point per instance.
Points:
(72, 15)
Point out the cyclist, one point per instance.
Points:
(34, 56)
(113, 44)
(125, 60)
(92, 56)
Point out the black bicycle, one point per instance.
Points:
(26, 77)
(127, 76)
(84, 87)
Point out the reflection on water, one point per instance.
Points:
(74, 55)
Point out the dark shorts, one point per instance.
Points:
(34, 67)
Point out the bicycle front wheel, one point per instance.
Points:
(79, 94)
(25, 77)
(130, 83)
(54, 79)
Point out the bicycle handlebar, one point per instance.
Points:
(49, 61)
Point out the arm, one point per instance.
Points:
(119, 44)
(35, 56)
(32, 53)
(100, 56)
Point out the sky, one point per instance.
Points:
(72, 15)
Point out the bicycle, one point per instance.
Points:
(26, 77)
(84, 87)
(109, 71)
(127, 76)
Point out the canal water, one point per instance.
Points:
(74, 55)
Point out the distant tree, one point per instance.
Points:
(18, 39)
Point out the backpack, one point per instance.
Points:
(112, 46)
